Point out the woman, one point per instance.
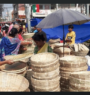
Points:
(20, 34)
(41, 45)
(10, 45)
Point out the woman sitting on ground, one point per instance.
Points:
(41, 45)
(10, 45)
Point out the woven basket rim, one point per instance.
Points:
(10, 74)
(24, 57)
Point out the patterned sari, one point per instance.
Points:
(9, 46)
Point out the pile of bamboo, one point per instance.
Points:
(45, 72)
(79, 81)
(68, 65)
(79, 49)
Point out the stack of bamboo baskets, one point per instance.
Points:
(68, 65)
(19, 66)
(45, 72)
(79, 81)
(30, 48)
(59, 51)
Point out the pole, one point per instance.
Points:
(31, 11)
(27, 12)
(56, 6)
(87, 9)
(76, 7)
(63, 40)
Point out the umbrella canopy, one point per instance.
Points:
(63, 17)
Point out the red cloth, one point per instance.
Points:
(20, 37)
(0, 27)
(61, 41)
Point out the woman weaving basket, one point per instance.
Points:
(41, 45)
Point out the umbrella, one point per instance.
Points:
(63, 17)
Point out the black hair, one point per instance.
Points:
(70, 26)
(6, 29)
(39, 36)
(20, 30)
(13, 32)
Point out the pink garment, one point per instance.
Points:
(10, 27)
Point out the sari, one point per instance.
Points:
(9, 46)
(45, 48)
(20, 37)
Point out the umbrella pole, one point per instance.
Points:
(63, 40)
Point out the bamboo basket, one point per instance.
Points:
(46, 75)
(29, 50)
(79, 86)
(81, 75)
(57, 45)
(74, 90)
(44, 59)
(73, 61)
(45, 83)
(28, 77)
(45, 69)
(74, 69)
(66, 74)
(19, 57)
(55, 90)
(13, 82)
(27, 35)
(80, 53)
(51, 41)
(19, 66)
(46, 89)
(79, 81)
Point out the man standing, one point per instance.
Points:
(70, 37)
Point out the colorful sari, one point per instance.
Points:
(9, 46)
(45, 48)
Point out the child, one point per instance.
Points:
(70, 37)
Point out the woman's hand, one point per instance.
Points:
(10, 62)
(29, 43)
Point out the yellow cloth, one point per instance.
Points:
(44, 48)
(23, 26)
(72, 35)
